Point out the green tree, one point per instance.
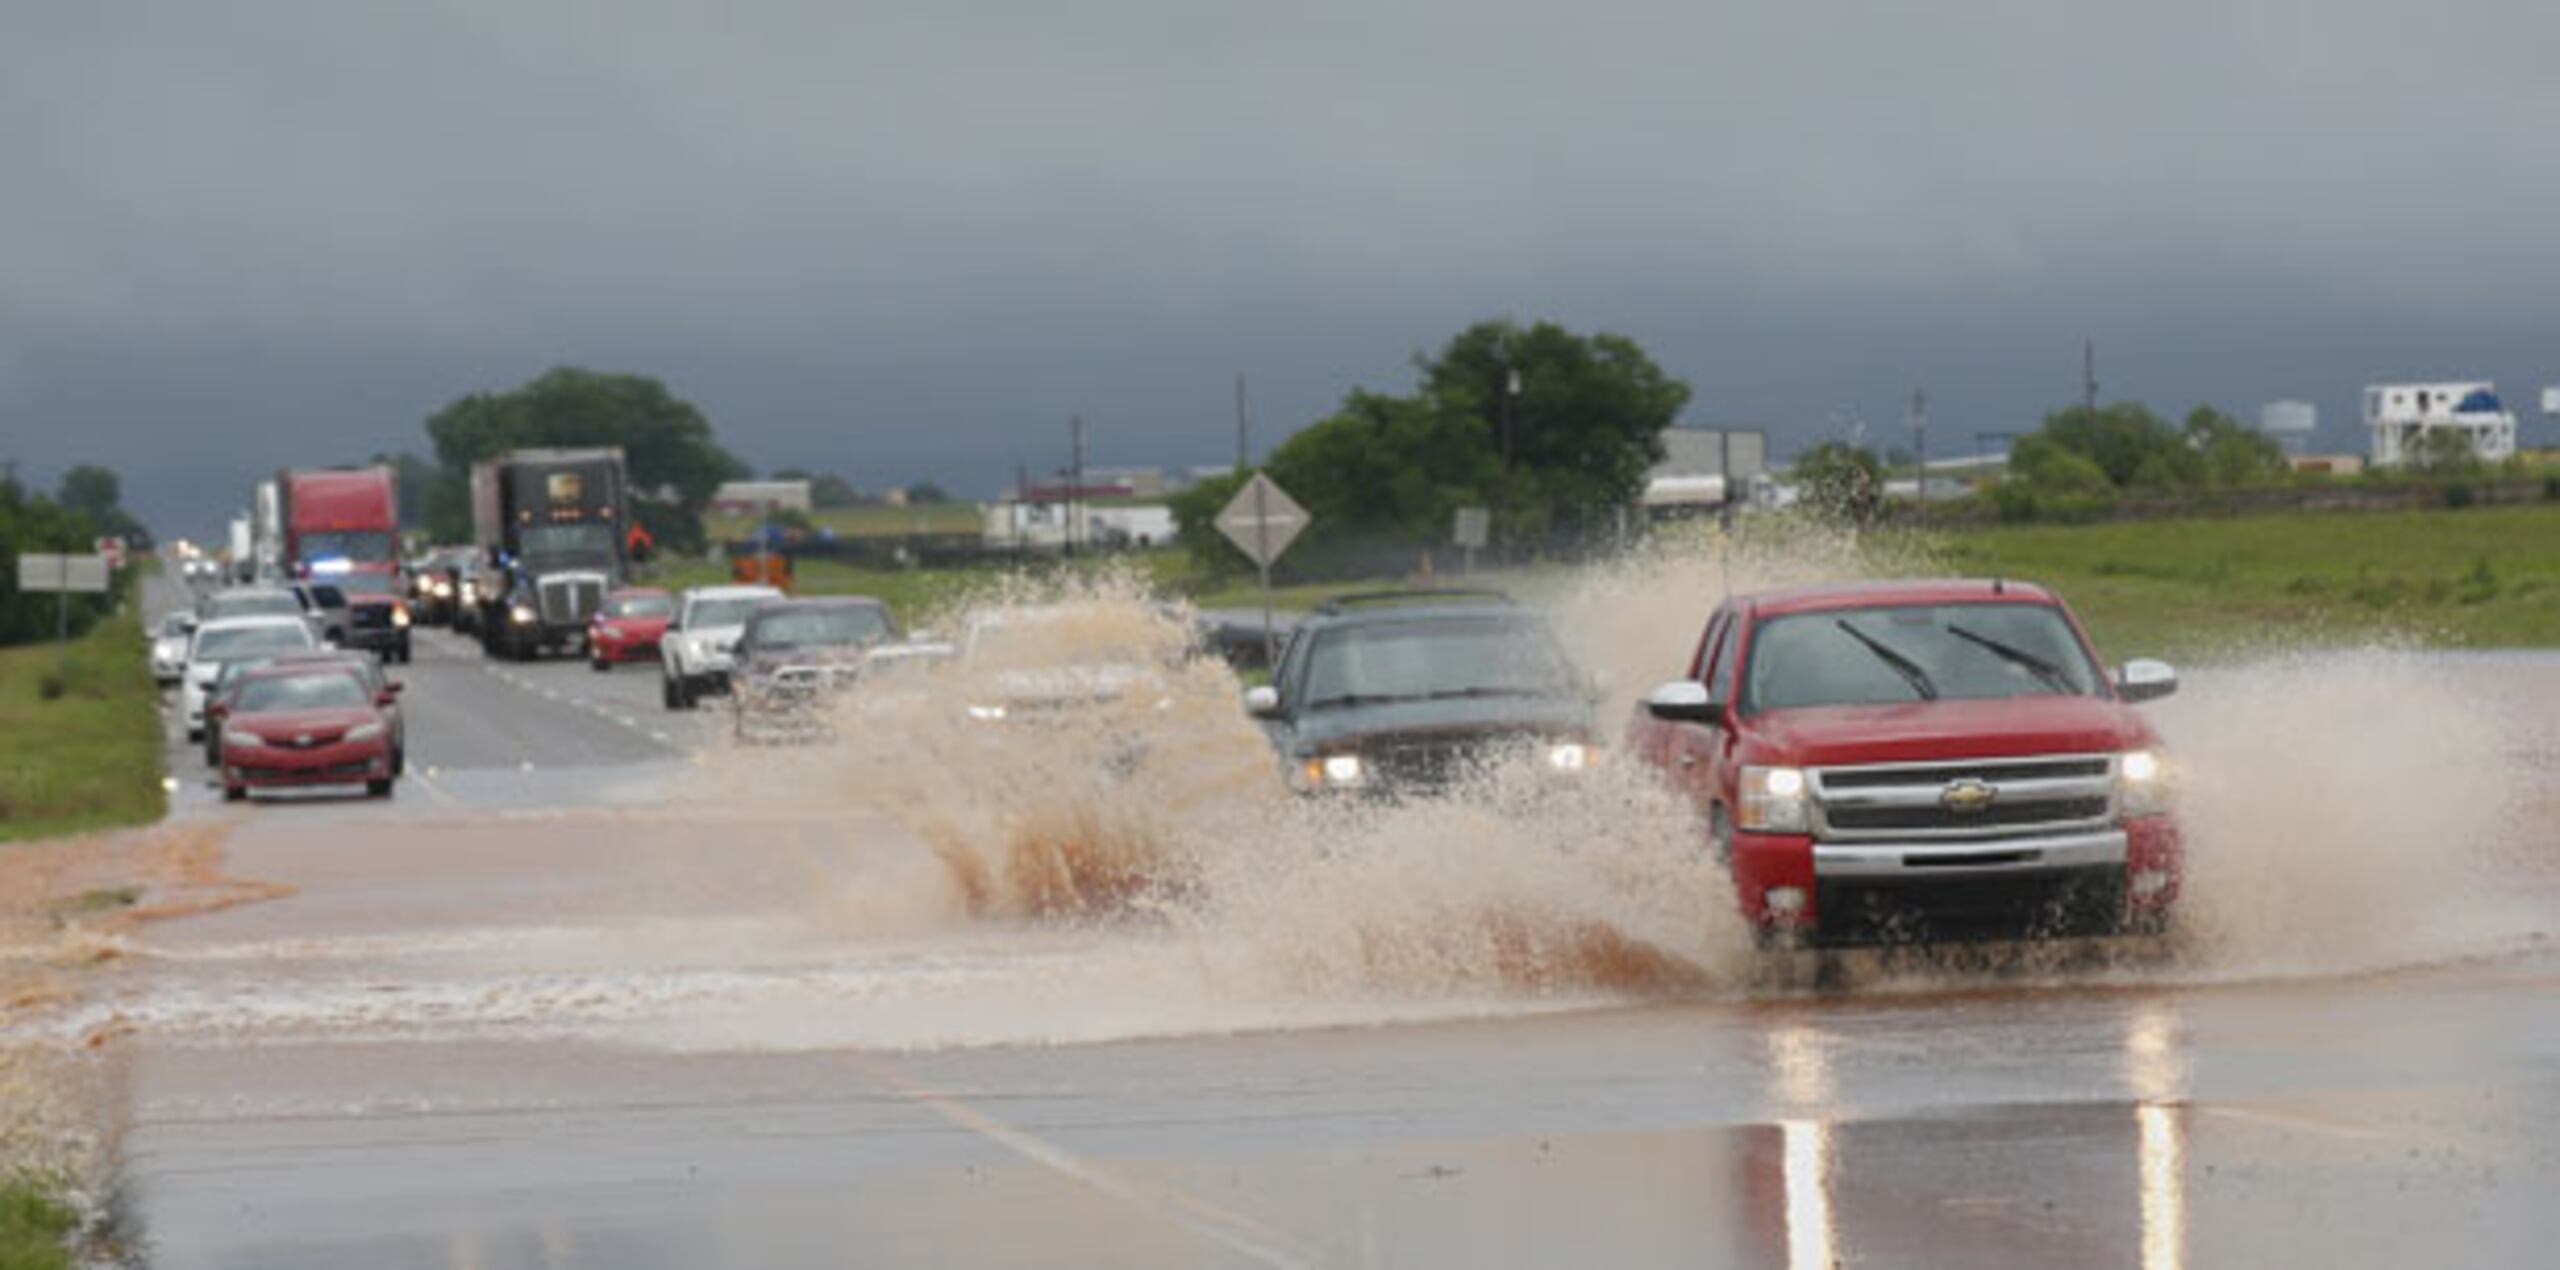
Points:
(2232, 454)
(828, 490)
(35, 523)
(2134, 447)
(1583, 427)
(675, 462)
(97, 494)
(926, 493)
(1841, 480)
(2444, 452)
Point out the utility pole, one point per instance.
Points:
(1508, 388)
(1075, 479)
(1244, 426)
(1920, 445)
(2089, 375)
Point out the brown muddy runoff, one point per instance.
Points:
(2348, 812)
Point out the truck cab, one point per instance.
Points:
(1911, 762)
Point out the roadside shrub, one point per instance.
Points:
(52, 685)
(2478, 585)
(2459, 495)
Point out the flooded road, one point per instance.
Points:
(638, 1008)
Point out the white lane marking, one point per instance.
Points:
(1225, 1227)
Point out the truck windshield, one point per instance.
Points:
(590, 545)
(366, 545)
(1437, 658)
(1916, 653)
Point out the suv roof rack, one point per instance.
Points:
(1414, 595)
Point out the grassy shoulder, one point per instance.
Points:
(36, 1225)
(2215, 587)
(79, 750)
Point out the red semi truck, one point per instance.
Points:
(342, 526)
(1921, 761)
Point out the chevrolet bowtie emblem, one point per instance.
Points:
(1968, 795)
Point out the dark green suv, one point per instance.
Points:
(1404, 692)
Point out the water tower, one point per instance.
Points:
(2291, 423)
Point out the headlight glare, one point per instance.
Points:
(1571, 756)
(986, 714)
(1343, 770)
(522, 615)
(1773, 801)
(2142, 784)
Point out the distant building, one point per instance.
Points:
(757, 498)
(2327, 464)
(1141, 482)
(2400, 417)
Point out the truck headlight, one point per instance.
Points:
(1571, 756)
(1334, 771)
(400, 616)
(2142, 784)
(1774, 801)
(521, 615)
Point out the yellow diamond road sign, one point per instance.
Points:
(1262, 520)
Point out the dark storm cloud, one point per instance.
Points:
(907, 241)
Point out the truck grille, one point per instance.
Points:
(1432, 761)
(370, 616)
(2032, 906)
(1964, 800)
(571, 601)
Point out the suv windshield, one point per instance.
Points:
(316, 690)
(1916, 653)
(215, 645)
(731, 611)
(1437, 657)
(828, 626)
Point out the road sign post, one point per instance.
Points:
(1473, 530)
(62, 575)
(1262, 520)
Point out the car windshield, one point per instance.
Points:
(640, 606)
(833, 625)
(725, 611)
(317, 690)
(253, 604)
(368, 546)
(1443, 657)
(1916, 653)
(174, 624)
(216, 645)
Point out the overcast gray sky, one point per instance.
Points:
(906, 240)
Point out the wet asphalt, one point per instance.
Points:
(500, 1023)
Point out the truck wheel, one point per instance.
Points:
(404, 652)
(671, 690)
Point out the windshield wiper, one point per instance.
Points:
(1361, 699)
(2051, 675)
(1902, 665)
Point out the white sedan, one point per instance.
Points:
(169, 647)
(229, 638)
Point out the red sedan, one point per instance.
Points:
(629, 627)
(308, 724)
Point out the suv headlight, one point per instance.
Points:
(1333, 771)
(1774, 800)
(2142, 783)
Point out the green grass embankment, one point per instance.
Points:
(2209, 588)
(35, 1225)
(79, 746)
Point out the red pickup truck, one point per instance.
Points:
(1903, 762)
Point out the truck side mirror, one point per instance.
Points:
(1262, 701)
(1684, 701)
(2143, 679)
